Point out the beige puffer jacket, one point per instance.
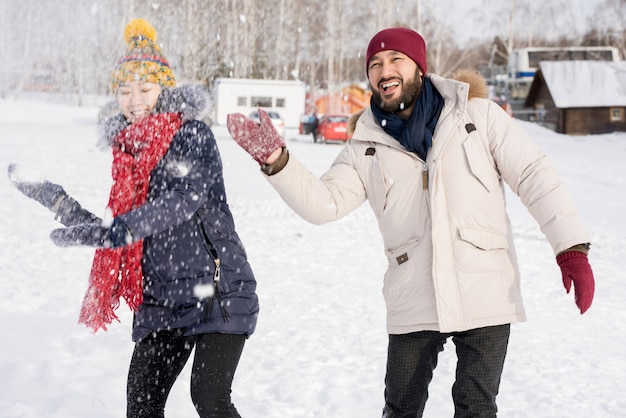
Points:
(447, 237)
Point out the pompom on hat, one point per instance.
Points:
(143, 59)
(402, 40)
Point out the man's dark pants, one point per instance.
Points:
(412, 358)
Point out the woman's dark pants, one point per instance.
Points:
(158, 360)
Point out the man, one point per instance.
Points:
(431, 155)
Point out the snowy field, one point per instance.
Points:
(320, 346)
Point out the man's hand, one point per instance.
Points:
(575, 269)
(260, 140)
(93, 235)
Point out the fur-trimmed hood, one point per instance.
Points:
(477, 88)
(190, 100)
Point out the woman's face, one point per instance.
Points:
(137, 99)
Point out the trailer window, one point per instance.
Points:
(242, 101)
(280, 102)
(259, 101)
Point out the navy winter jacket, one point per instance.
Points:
(186, 223)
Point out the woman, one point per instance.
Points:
(168, 244)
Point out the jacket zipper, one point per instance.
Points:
(217, 275)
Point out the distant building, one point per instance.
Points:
(238, 95)
(349, 100)
(579, 97)
(523, 63)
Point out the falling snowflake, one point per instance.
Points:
(203, 291)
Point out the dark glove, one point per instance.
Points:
(46, 193)
(575, 269)
(259, 140)
(69, 212)
(66, 209)
(93, 235)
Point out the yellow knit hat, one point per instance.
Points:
(143, 59)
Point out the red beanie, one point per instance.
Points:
(402, 40)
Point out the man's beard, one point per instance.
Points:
(410, 91)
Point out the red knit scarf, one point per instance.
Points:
(116, 272)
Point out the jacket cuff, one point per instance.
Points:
(581, 248)
(120, 234)
(278, 165)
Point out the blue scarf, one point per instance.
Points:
(415, 133)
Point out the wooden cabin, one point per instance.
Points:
(579, 97)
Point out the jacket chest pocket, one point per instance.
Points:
(480, 164)
(395, 192)
(377, 187)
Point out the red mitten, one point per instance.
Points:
(259, 140)
(575, 268)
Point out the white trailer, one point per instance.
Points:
(240, 95)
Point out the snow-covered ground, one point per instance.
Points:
(320, 346)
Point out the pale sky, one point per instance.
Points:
(484, 19)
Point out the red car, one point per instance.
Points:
(332, 128)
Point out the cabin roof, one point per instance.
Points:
(585, 83)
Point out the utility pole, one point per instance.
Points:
(418, 15)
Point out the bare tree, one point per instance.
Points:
(323, 44)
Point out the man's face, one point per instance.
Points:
(395, 80)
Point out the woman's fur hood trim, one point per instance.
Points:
(477, 89)
(190, 100)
